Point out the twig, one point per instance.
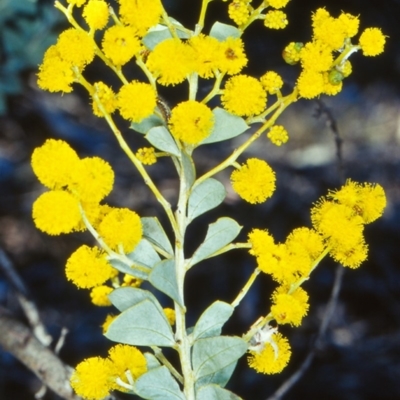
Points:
(27, 305)
(295, 377)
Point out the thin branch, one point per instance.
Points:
(28, 306)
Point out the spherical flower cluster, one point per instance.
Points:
(278, 135)
(191, 122)
(275, 19)
(272, 82)
(140, 14)
(146, 155)
(96, 14)
(239, 11)
(340, 219)
(232, 56)
(99, 295)
(244, 96)
(278, 3)
(95, 377)
(106, 97)
(272, 359)
(120, 44)
(121, 227)
(289, 308)
(206, 54)
(87, 267)
(372, 42)
(56, 212)
(291, 53)
(136, 101)
(254, 181)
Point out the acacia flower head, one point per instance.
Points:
(273, 357)
(191, 121)
(55, 74)
(127, 358)
(278, 135)
(136, 101)
(272, 82)
(121, 227)
(278, 3)
(53, 163)
(76, 47)
(99, 295)
(96, 14)
(92, 180)
(289, 308)
(167, 72)
(56, 212)
(276, 19)
(87, 267)
(147, 155)
(140, 14)
(120, 44)
(254, 181)
(244, 96)
(206, 52)
(107, 98)
(92, 378)
(239, 11)
(310, 84)
(372, 42)
(232, 58)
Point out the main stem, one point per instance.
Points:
(184, 345)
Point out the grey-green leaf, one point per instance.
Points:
(161, 139)
(222, 31)
(226, 126)
(144, 254)
(163, 277)
(151, 361)
(219, 234)
(211, 321)
(159, 33)
(143, 324)
(220, 377)
(124, 297)
(154, 233)
(205, 196)
(137, 272)
(145, 125)
(189, 171)
(215, 353)
(158, 384)
(214, 392)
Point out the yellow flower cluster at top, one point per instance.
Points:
(95, 377)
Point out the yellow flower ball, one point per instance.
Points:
(99, 295)
(55, 74)
(136, 101)
(121, 227)
(206, 53)
(76, 47)
(278, 135)
(56, 212)
(310, 84)
(146, 155)
(232, 57)
(267, 361)
(171, 61)
(53, 163)
(272, 82)
(278, 3)
(191, 121)
(254, 181)
(275, 20)
(92, 378)
(239, 11)
(372, 42)
(120, 44)
(244, 96)
(107, 98)
(127, 358)
(96, 14)
(87, 267)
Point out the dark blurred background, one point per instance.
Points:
(359, 358)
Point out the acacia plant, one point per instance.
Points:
(129, 249)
